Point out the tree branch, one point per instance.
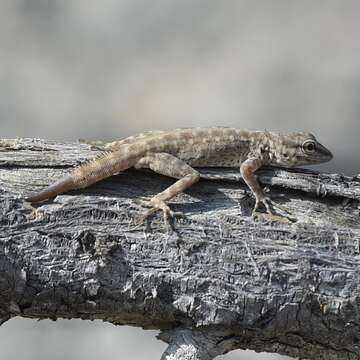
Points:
(218, 281)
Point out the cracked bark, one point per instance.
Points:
(217, 281)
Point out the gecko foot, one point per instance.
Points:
(262, 200)
(268, 203)
(36, 214)
(155, 205)
(272, 218)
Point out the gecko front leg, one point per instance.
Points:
(247, 169)
(168, 165)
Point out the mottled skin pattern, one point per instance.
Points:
(174, 153)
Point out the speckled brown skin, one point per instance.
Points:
(174, 153)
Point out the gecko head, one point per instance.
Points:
(299, 148)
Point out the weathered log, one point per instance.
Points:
(218, 280)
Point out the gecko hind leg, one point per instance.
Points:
(168, 165)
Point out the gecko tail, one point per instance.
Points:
(63, 185)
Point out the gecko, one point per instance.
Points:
(177, 153)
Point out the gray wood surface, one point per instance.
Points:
(217, 280)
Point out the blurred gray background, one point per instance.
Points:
(107, 69)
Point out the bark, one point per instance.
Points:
(218, 280)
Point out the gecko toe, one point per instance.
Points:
(169, 214)
(144, 216)
(264, 201)
(142, 201)
(275, 205)
(36, 214)
(155, 205)
(271, 216)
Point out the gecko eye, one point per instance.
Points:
(309, 146)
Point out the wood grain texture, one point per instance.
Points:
(241, 283)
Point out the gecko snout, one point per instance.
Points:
(323, 153)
